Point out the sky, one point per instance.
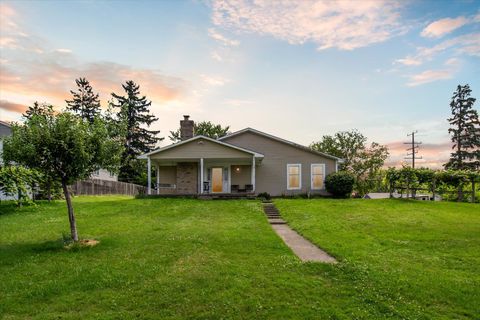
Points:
(295, 69)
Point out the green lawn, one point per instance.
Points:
(180, 258)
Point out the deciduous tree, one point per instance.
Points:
(362, 160)
(65, 148)
(204, 128)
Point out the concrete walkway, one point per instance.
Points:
(303, 248)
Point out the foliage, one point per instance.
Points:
(340, 184)
(85, 102)
(361, 160)
(441, 180)
(18, 181)
(264, 195)
(204, 128)
(63, 147)
(465, 131)
(133, 112)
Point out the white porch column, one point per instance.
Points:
(253, 173)
(157, 168)
(201, 175)
(149, 176)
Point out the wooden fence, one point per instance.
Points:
(96, 187)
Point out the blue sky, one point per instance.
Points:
(298, 70)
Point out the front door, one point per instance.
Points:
(217, 179)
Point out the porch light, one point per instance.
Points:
(237, 169)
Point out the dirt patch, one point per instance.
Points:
(83, 243)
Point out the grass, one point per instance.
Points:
(185, 258)
(416, 259)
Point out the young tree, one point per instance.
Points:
(134, 113)
(465, 131)
(84, 101)
(204, 128)
(63, 147)
(363, 161)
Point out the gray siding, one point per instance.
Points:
(5, 130)
(241, 177)
(271, 174)
(201, 148)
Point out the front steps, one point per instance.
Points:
(272, 213)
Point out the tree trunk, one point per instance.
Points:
(473, 191)
(19, 195)
(433, 189)
(71, 216)
(49, 191)
(460, 192)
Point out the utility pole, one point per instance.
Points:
(413, 150)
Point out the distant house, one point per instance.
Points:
(5, 130)
(247, 161)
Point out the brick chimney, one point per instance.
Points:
(186, 128)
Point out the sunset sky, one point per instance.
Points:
(298, 70)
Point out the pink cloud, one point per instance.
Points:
(442, 27)
(345, 25)
(11, 106)
(434, 154)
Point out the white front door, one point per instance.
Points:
(217, 180)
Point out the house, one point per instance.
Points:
(5, 130)
(243, 162)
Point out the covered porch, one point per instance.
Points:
(203, 176)
(200, 166)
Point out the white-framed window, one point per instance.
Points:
(294, 176)
(317, 176)
(96, 173)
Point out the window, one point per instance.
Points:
(96, 173)
(294, 176)
(318, 176)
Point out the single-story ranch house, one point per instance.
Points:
(244, 162)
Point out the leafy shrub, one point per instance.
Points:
(340, 184)
(264, 195)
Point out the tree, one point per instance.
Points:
(204, 128)
(465, 131)
(361, 160)
(65, 148)
(134, 113)
(17, 181)
(38, 109)
(84, 102)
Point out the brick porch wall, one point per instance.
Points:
(187, 178)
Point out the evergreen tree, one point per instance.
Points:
(465, 131)
(134, 113)
(84, 102)
(38, 109)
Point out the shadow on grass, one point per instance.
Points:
(13, 253)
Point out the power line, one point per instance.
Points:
(413, 150)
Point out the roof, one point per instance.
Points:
(174, 145)
(293, 144)
(5, 123)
